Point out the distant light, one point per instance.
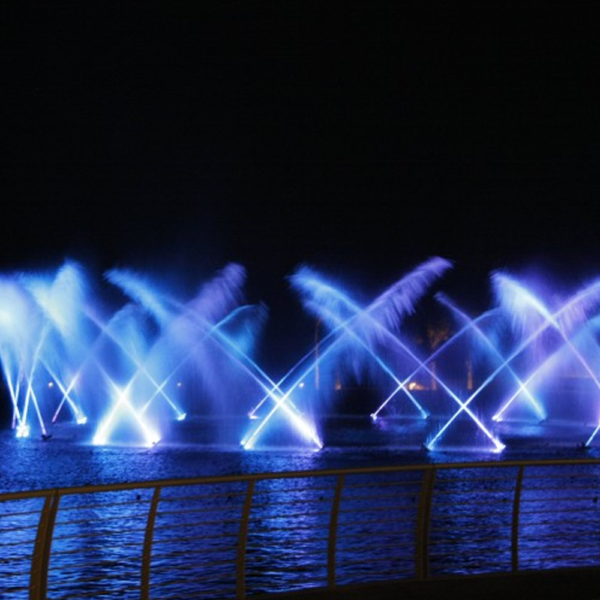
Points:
(413, 385)
(51, 384)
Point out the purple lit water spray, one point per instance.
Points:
(128, 369)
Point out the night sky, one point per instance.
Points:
(358, 137)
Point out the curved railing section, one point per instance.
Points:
(237, 536)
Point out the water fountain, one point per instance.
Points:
(138, 366)
(123, 368)
(525, 363)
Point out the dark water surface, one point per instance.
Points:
(99, 535)
(194, 450)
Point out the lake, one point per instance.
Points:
(206, 446)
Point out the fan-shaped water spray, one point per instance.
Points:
(130, 365)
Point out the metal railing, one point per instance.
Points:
(236, 536)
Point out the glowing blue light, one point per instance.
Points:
(130, 370)
(23, 431)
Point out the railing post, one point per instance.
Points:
(242, 543)
(333, 528)
(514, 542)
(38, 579)
(423, 524)
(148, 539)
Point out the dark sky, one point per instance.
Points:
(359, 137)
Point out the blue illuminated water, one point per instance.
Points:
(165, 388)
(476, 504)
(69, 459)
